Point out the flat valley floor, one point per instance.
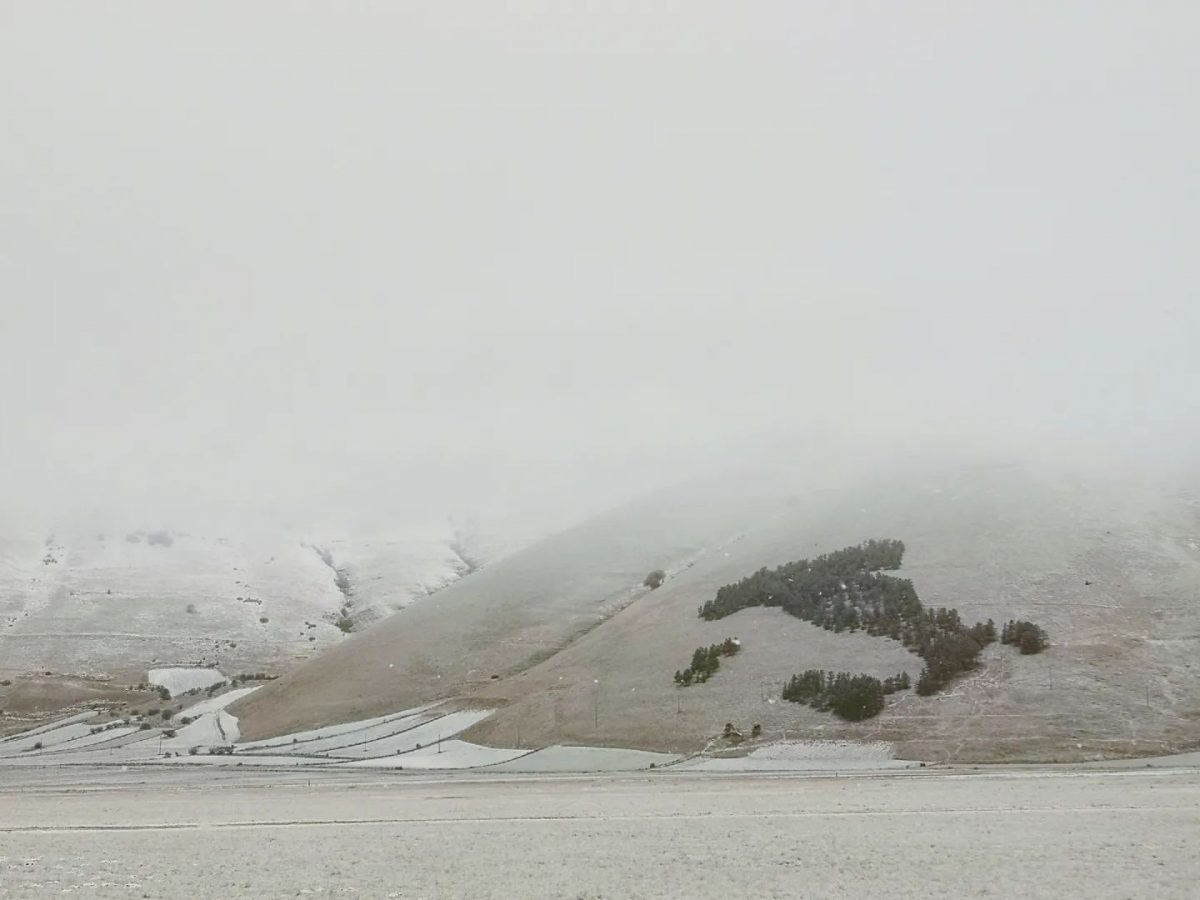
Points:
(1094, 833)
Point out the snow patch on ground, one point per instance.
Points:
(874, 751)
(87, 740)
(213, 729)
(349, 743)
(180, 681)
(212, 704)
(453, 755)
(585, 759)
(50, 726)
(807, 756)
(241, 759)
(51, 738)
(421, 736)
(331, 731)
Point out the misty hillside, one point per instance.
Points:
(585, 655)
(115, 605)
(513, 613)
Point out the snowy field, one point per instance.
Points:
(804, 756)
(422, 738)
(999, 834)
(180, 681)
(586, 759)
(444, 755)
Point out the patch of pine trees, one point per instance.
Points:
(852, 697)
(1025, 636)
(706, 661)
(846, 591)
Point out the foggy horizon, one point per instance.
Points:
(375, 266)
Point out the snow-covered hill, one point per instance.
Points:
(115, 605)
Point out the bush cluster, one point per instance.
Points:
(706, 661)
(1026, 636)
(852, 697)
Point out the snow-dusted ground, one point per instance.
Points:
(179, 681)
(387, 574)
(141, 747)
(332, 731)
(212, 729)
(50, 726)
(127, 601)
(402, 740)
(423, 738)
(118, 604)
(186, 833)
(449, 755)
(48, 738)
(585, 759)
(355, 738)
(212, 704)
(807, 756)
(89, 740)
(240, 759)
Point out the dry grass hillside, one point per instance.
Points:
(585, 656)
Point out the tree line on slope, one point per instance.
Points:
(706, 661)
(846, 590)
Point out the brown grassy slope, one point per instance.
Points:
(28, 700)
(1121, 677)
(503, 619)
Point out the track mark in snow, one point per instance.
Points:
(649, 817)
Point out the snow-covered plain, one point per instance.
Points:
(994, 834)
(453, 754)
(423, 738)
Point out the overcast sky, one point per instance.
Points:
(383, 261)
